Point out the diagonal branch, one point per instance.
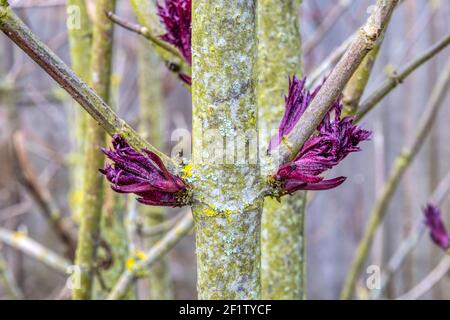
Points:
(429, 281)
(389, 84)
(412, 240)
(402, 162)
(21, 242)
(364, 41)
(42, 195)
(167, 242)
(145, 32)
(22, 36)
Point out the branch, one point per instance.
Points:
(156, 230)
(9, 282)
(319, 72)
(21, 242)
(330, 19)
(89, 233)
(429, 281)
(389, 84)
(365, 40)
(401, 163)
(412, 240)
(356, 86)
(21, 35)
(147, 18)
(145, 32)
(160, 248)
(42, 195)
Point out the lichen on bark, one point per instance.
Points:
(282, 240)
(80, 39)
(225, 176)
(90, 231)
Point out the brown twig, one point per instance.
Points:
(42, 195)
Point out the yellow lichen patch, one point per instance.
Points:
(210, 212)
(132, 261)
(19, 235)
(187, 170)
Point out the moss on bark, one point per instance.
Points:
(283, 239)
(89, 233)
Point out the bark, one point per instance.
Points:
(282, 229)
(227, 206)
(89, 233)
(357, 84)
(80, 39)
(151, 119)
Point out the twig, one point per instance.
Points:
(328, 63)
(160, 228)
(413, 238)
(21, 242)
(330, 19)
(365, 40)
(21, 35)
(402, 162)
(167, 242)
(10, 284)
(145, 32)
(389, 84)
(429, 281)
(42, 195)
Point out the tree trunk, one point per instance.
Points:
(227, 206)
(283, 237)
(89, 233)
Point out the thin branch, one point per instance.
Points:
(429, 281)
(167, 242)
(21, 35)
(328, 22)
(21, 242)
(393, 81)
(365, 40)
(146, 16)
(145, 32)
(9, 282)
(401, 163)
(319, 72)
(163, 227)
(42, 195)
(413, 238)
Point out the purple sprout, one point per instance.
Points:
(143, 174)
(438, 233)
(176, 17)
(335, 139)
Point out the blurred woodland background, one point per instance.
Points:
(34, 179)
